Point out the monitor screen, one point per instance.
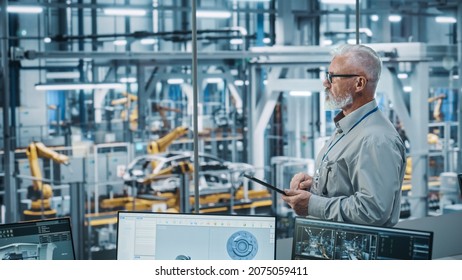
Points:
(174, 236)
(37, 240)
(318, 239)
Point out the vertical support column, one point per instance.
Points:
(142, 97)
(418, 139)
(195, 106)
(78, 218)
(11, 205)
(284, 23)
(459, 87)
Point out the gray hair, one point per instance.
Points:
(362, 56)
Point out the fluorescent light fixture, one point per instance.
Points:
(327, 43)
(24, 9)
(82, 86)
(267, 40)
(175, 81)
(407, 89)
(402, 76)
(374, 17)
(265, 82)
(62, 75)
(236, 41)
(47, 40)
(124, 12)
(339, 2)
(246, 82)
(238, 83)
(148, 41)
(445, 19)
(213, 14)
(455, 77)
(234, 72)
(394, 18)
(120, 42)
(260, 1)
(214, 80)
(127, 80)
(352, 41)
(300, 93)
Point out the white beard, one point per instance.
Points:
(337, 104)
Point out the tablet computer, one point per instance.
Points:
(264, 184)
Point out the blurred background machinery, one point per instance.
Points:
(97, 114)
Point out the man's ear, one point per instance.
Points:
(360, 83)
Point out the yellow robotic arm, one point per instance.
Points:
(437, 114)
(127, 100)
(160, 145)
(182, 167)
(38, 150)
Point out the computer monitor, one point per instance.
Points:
(37, 240)
(318, 239)
(174, 236)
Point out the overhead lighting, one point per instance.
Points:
(148, 41)
(82, 86)
(120, 42)
(47, 40)
(327, 42)
(62, 75)
(407, 89)
(260, 1)
(445, 19)
(238, 83)
(455, 77)
(175, 81)
(267, 40)
(352, 41)
(394, 18)
(236, 41)
(339, 2)
(402, 76)
(300, 93)
(24, 9)
(374, 17)
(124, 12)
(214, 80)
(127, 80)
(234, 72)
(213, 14)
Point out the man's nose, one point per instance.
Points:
(326, 83)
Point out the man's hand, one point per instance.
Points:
(301, 181)
(297, 200)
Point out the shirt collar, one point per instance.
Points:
(345, 123)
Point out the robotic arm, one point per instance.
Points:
(39, 190)
(160, 145)
(126, 101)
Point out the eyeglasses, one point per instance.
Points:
(329, 76)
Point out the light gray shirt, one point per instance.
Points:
(360, 170)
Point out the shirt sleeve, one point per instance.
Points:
(376, 173)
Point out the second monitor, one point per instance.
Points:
(319, 239)
(170, 236)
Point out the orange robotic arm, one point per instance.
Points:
(34, 151)
(160, 145)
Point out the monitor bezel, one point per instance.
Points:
(359, 226)
(194, 214)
